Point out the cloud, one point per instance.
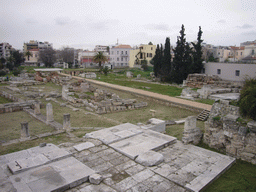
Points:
(250, 33)
(62, 21)
(222, 21)
(245, 26)
(103, 25)
(31, 21)
(161, 27)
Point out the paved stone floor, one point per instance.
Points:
(185, 168)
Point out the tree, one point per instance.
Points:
(67, 55)
(100, 58)
(247, 100)
(197, 53)
(182, 58)
(10, 63)
(18, 58)
(157, 60)
(47, 56)
(2, 62)
(28, 54)
(166, 64)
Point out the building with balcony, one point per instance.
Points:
(32, 59)
(85, 59)
(36, 45)
(119, 56)
(143, 53)
(5, 50)
(101, 48)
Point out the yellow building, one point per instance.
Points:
(144, 52)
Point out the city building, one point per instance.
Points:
(119, 56)
(143, 53)
(85, 59)
(36, 45)
(32, 58)
(101, 48)
(5, 50)
(230, 71)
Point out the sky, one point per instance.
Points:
(82, 24)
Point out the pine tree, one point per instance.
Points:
(197, 54)
(166, 65)
(182, 58)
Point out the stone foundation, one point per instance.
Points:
(224, 130)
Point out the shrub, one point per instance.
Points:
(216, 118)
(2, 73)
(16, 72)
(247, 100)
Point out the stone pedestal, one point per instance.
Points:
(37, 109)
(49, 113)
(66, 121)
(24, 130)
(191, 134)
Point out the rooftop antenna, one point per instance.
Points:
(117, 41)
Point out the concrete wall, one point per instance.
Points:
(228, 70)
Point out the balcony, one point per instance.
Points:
(124, 55)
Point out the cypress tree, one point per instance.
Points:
(182, 58)
(197, 53)
(156, 61)
(166, 69)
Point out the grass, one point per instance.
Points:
(240, 177)
(4, 100)
(78, 118)
(55, 139)
(10, 125)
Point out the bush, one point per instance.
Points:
(16, 72)
(247, 101)
(2, 73)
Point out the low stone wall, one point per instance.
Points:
(9, 96)
(13, 107)
(224, 130)
(199, 80)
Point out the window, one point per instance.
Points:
(112, 52)
(122, 59)
(253, 52)
(117, 58)
(117, 52)
(241, 53)
(122, 52)
(125, 52)
(203, 71)
(218, 71)
(237, 72)
(122, 64)
(151, 48)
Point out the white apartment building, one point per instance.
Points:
(101, 48)
(5, 50)
(119, 56)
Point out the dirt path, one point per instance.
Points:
(150, 94)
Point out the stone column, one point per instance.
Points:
(191, 134)
(66, 121)
(49, 113)
(37, 109)
(24, 130)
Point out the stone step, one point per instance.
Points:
(203, 115)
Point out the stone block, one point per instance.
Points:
(83, 146)
(150, 158)
(95, 179)
(252, 126)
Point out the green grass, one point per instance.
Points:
(240, 177)
(4, 100)
(55, 139)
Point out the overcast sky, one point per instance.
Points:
(86, 23)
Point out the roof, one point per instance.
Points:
(250, 57)
(123, 46)
(237, 48)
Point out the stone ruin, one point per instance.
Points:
(226, 131)
(210, 92)
(199, 80)
(83, 94)
(191, 134)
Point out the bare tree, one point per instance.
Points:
(47, 56)
(67, 54)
